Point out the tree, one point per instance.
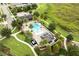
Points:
(55, 49)
(69, 37)
(6, 32)
(36, 13)
(43, 23)
(34, 6)
(25, 9)
(14, 23)
(45, 16)
(28, 7)
(4, 16)
(43, 42)
(19, 23)
(46, 12)
(30, 11)
(52, 26)
(14, 10)
(10, 7)
(62, 51)
(19, 9)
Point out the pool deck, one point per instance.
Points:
(36, 35)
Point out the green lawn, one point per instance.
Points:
(1, 20)
(21, 36)
(1, 27)
(2, 54)
(66, 15)
(17, 48)
(41, 8)
(24, 38)
(16, 30)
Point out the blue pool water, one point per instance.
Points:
(36, 27)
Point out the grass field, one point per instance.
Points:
(24, 38)
(21, 36)
(1, 27)
(65, 15)
(16, 30)
(17, 48)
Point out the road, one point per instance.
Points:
(9, 18)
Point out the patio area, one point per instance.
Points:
(39, 32)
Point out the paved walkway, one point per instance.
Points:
(13, 29)
(65, 44)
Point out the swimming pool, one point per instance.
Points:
(36, 27)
